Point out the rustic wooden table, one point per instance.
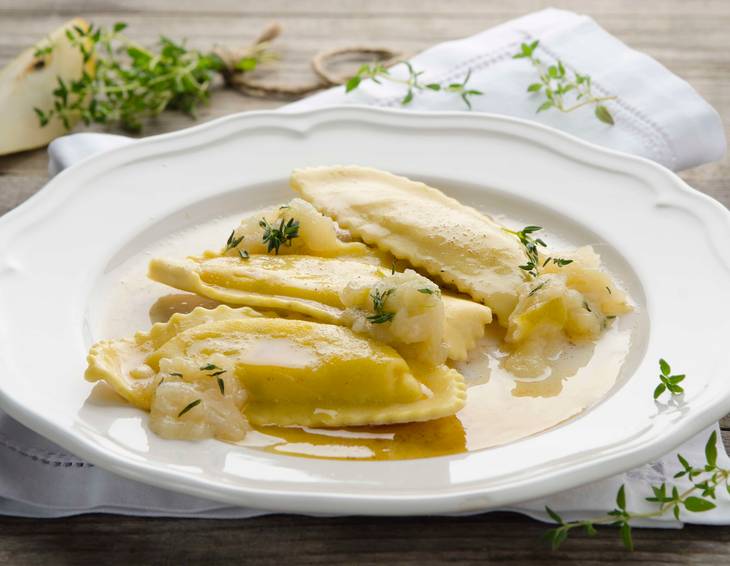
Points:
(690, 37)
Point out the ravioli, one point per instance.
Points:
(291, 372)
(316, 234)
(420, 224)
(337, 291)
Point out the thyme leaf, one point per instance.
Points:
(233, 241)
(189, 407)
(536, 289)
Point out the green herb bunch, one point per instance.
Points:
(124, 83)
(556, 82)
(378, 72)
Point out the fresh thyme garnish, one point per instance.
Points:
(609, 290)
(377, 72)
(586, 306)
(43, 51)
(530, 244)
(667, 381)
(697, 498)
(274, 237)
(127, 83)
(555, 83)
(392, 267)
(216, 372)
(233, 241)
(536, 289)
(426, 291)
(175, 374)
(533, 257)
(189, 407)
(381, 315)
(243, 254)
(560, 262)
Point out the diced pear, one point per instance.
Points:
(28, 82)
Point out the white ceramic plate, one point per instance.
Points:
(666, 242)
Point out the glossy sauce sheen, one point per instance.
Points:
(500, 408)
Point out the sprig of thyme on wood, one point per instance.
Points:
(532, 267)
(380, 315)
(378, 72)
(274, 236)
(125, 83)
(555, 83)
(700, 496)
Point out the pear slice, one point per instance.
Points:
(28, 82)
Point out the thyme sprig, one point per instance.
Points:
(380, 315)
(274, 236)
(378, 72)
(532, 266)
(700, 496)
(668, 382)
(556, 82)
(125, 83)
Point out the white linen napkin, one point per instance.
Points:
(657, 115)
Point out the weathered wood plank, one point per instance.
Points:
(495, 538)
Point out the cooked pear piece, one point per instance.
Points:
(294, 228)
(28, 82)
(287, 372)
(565, 305)
(414, 317)
(420, 224)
